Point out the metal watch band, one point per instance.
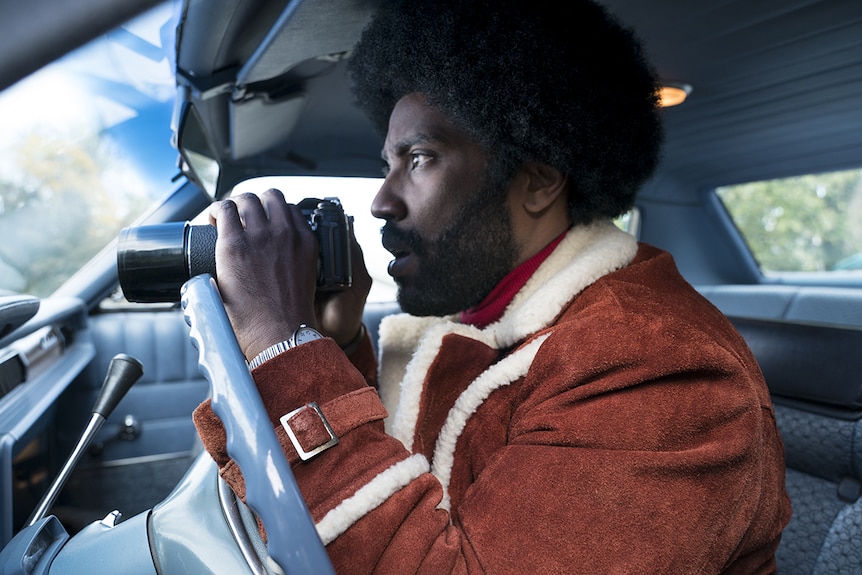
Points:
(270, 353)
(278, 348)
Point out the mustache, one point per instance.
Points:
(396, 239)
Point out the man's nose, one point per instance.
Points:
(387, 204)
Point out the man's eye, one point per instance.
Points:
(418, 159)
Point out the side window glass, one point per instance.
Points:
(807, 223)
(630, 222)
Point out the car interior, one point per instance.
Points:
(774, 90)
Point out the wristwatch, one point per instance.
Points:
(303, 334)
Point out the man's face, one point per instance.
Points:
(447, 222)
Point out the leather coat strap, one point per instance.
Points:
(312, 429)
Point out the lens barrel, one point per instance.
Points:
(153, 262)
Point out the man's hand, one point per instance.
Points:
(266, 259)
(339, 313)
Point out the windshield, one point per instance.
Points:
(85, 148)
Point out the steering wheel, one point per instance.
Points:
(271, 489)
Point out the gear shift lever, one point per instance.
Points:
(123, 372)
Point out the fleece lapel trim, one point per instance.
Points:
(403, 422)
(502, 373)
(586, 254)
(410, 344)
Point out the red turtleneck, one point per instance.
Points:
(493, 306)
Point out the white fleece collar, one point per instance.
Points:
(583, 256)
(409, 344)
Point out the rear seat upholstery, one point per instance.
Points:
(808, 341)
(828, 305)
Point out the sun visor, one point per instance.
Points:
(252, 120)
(305, 30)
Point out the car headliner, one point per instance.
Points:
(777, 84)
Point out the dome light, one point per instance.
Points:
(673, 94)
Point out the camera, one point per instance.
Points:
(154, 262)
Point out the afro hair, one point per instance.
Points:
(561, 83)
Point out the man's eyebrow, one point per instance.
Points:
(407, 143)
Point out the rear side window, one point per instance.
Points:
(810, 223)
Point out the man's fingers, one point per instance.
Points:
(275, 207)
(251, 211)
(225, 216)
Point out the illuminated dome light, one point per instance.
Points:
(673, 94)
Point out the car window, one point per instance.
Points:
(807, 223)
(85, 148)
(630, 222)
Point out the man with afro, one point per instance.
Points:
(555, 398)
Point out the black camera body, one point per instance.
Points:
(154, 262)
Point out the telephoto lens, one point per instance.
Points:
(153, 262)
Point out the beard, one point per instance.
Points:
(461, 267)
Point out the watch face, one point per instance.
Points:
(305, 334)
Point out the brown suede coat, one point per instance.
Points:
(612, 421)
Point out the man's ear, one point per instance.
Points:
(541, 187)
